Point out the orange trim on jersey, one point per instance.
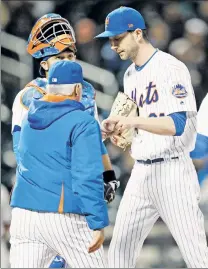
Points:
(61, 203)
(34, 86)
(56, 98)
(21, 100)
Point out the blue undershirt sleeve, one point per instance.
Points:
(179, 119)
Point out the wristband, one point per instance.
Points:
(109, 176)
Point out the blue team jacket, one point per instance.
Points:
(60, 162)
(36, 88)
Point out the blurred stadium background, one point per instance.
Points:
(176, 27)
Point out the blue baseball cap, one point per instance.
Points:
(121, 20)
(65, 72)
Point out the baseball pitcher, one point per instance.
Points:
(163, 181)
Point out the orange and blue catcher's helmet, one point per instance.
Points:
(50, 35)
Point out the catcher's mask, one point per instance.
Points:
(50, 35)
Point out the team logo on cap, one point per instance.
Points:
(130, 25)
(179, 91)
(54, 79)
(106, 22)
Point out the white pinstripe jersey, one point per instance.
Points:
(163, 86)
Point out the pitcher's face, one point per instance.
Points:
(125, 45)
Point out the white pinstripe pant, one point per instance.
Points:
(170, 190)
(36, 238)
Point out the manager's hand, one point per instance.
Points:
(97, 241)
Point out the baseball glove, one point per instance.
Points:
(124, 106)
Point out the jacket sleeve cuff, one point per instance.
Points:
(100, 221)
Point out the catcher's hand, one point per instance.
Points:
(110, 190)
(123, 109)
(111, 184)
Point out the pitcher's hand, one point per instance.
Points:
(117, 124)
(105, 132)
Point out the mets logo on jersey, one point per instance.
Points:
(148, 97)
(179, 91)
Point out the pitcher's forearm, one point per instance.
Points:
(160, 126)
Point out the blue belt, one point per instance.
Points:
(158, 160)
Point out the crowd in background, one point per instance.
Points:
(176, 27)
